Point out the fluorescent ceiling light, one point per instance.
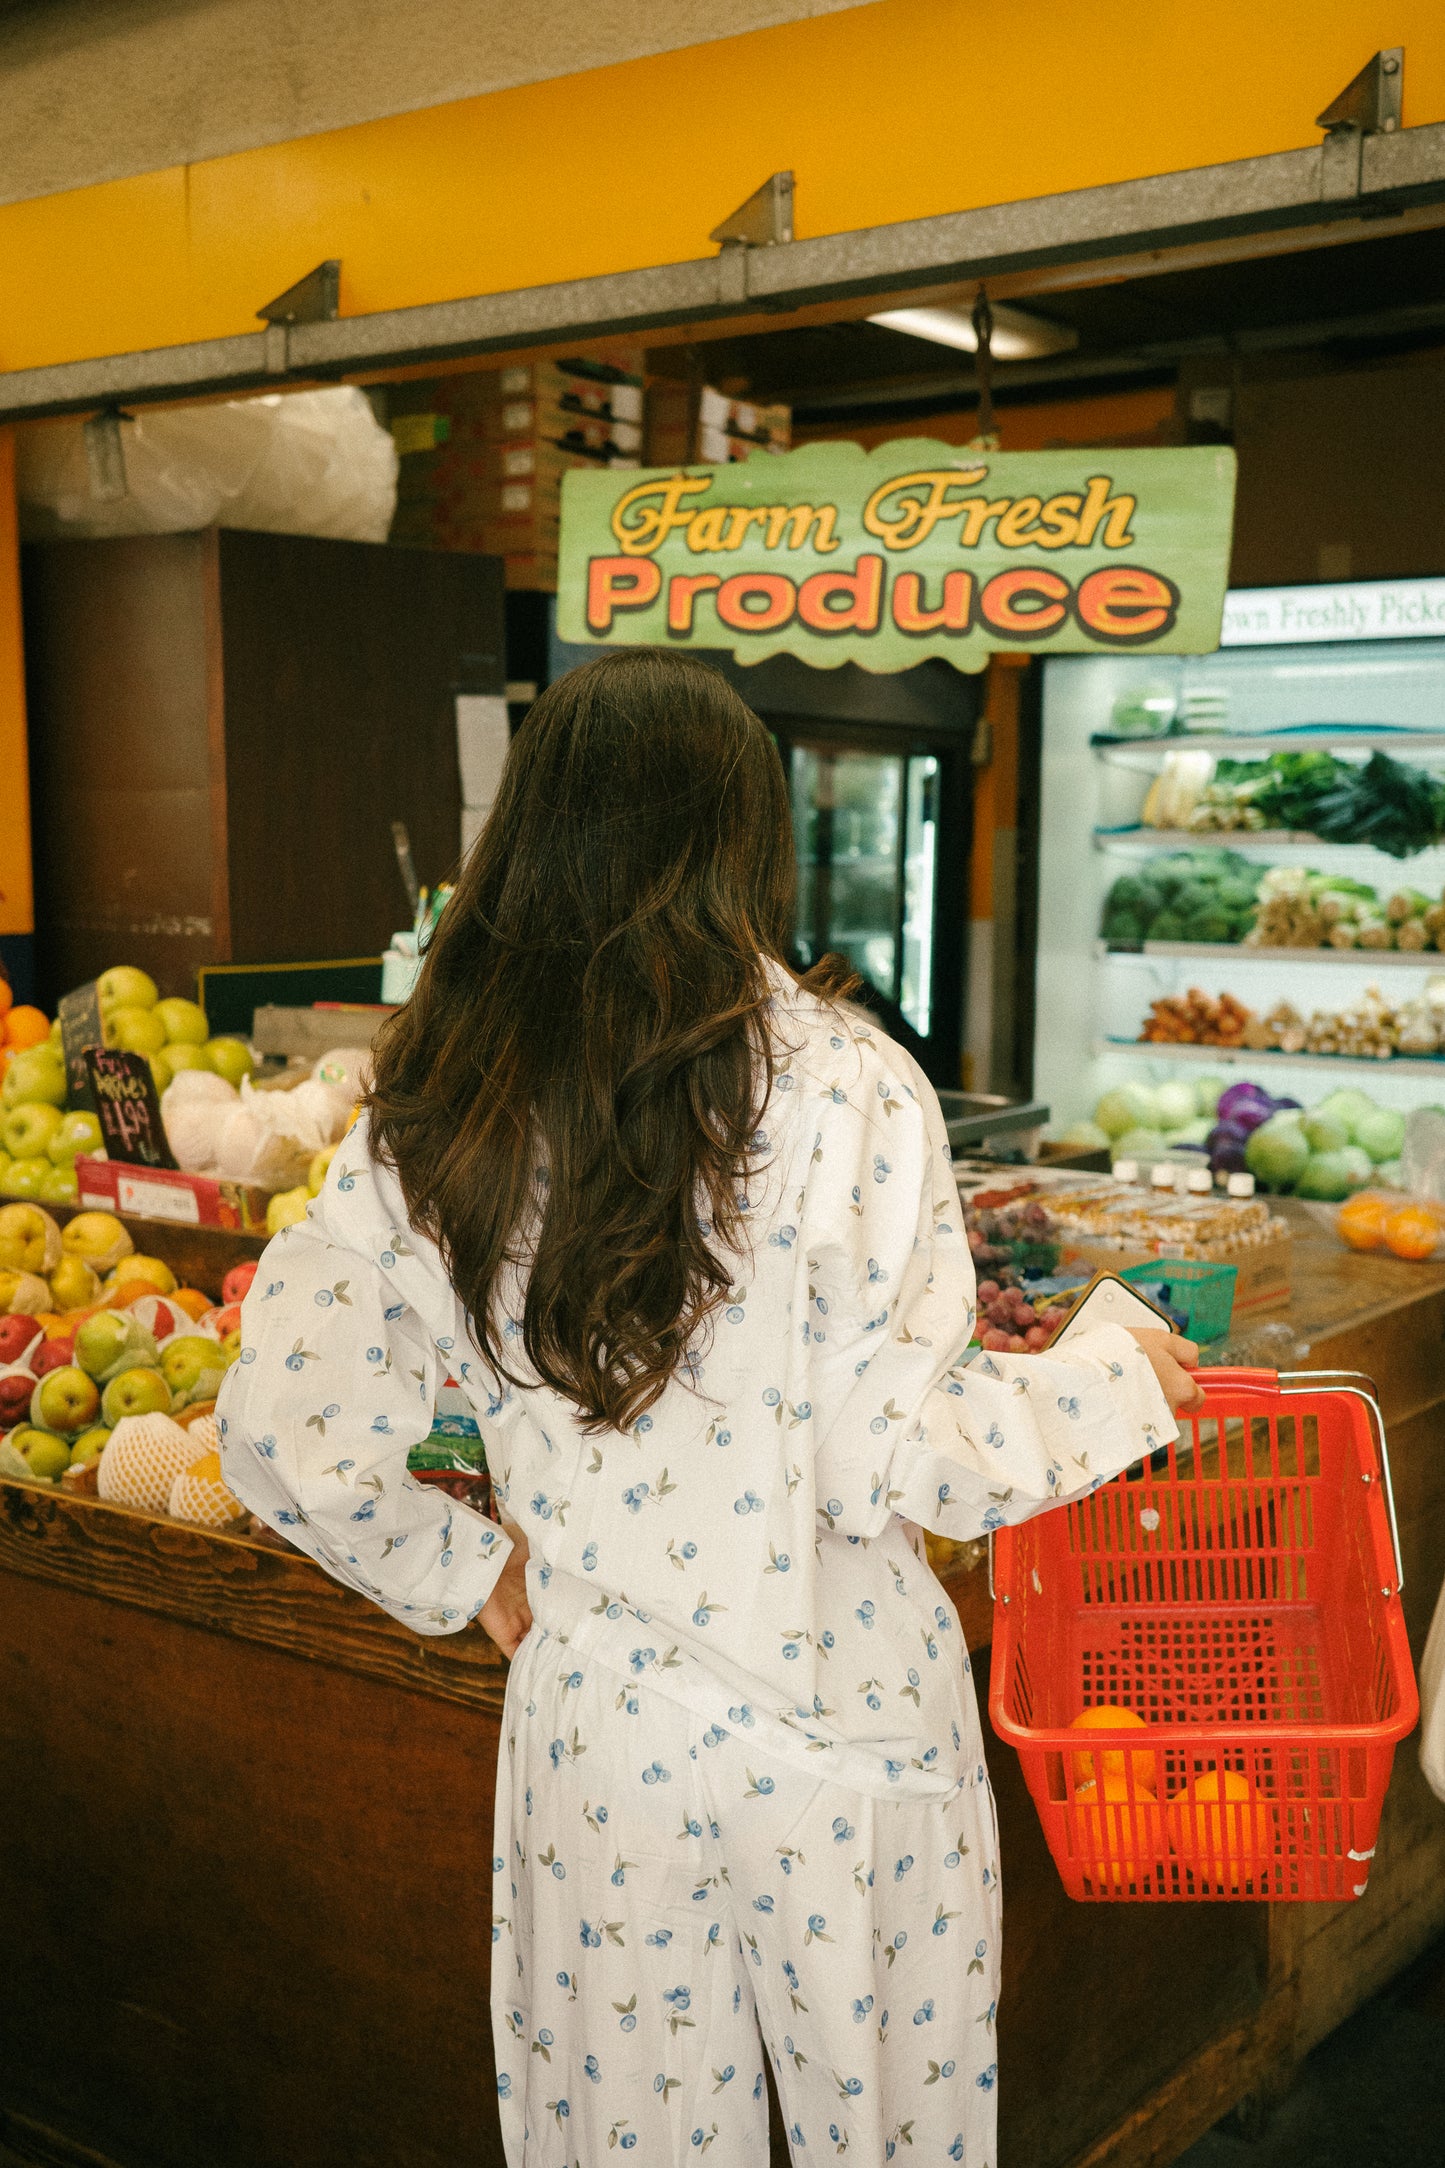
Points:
(1016, 336)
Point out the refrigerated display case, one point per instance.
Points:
(1342, 670)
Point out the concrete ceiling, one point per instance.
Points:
(93, 90)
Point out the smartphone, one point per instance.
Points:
(1108, 1300)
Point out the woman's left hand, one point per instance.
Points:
(506, 1615)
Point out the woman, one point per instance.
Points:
(685, 1230)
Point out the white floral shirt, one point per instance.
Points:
(750, 1545)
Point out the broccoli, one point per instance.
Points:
(1122, 926)
(1210, 926)
(1196, 897)
(1237, 895)
(1126, 894)
(1168, 926)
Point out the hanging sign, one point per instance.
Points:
(836, 554)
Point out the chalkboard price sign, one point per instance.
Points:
(80, 1027)
(130, 1112)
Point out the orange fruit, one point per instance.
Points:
(1109, 1718)
(7, 995)
(1362, 1220)
(26, 1026)
(191, 1300)
(1412, 1231)
(1215, 1829)
(1113, 1825)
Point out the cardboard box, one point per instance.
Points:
(162, 1193)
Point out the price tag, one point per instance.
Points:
(124, 1096)
(80, 1027)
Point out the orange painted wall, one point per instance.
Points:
(910, 107)
(16, 903)
(1125, 417)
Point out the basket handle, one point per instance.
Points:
(1361, 1388)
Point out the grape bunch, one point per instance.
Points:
(1010, 1324)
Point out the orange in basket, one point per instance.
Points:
(1412, 1231)
(1233, 1608)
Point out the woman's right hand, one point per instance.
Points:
(506, 1615)
(1172, 1359)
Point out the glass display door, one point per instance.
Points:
(881, 877)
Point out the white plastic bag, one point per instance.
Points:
(309, 462)
(1432, 1703)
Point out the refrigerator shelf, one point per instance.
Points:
(1268, 1057)
(1226, 839)
(1387, 959)
(1334, 737)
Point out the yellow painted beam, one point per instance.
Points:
(17, 910)
(898, 111)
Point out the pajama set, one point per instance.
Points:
(742, 1782)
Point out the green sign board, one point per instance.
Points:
(883, 557)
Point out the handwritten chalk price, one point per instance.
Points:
(129, 1109)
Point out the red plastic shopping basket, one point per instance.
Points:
(1241, 1595)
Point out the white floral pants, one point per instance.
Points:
(661, 1892)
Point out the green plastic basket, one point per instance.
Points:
(1204, 1292)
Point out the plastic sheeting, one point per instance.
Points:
(309, 462)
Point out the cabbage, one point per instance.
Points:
(1391, 1175)
(1140, 1144)
(1129, 1106)
(1277, 1153)
(1226, 1142)
(1361, 1166)
(1347, 1107)
(1195, 1132)
(1207, 1091)
(1325, 1133)
(1326, 1177)
(1381, 1132)
(1084, 1137)
(1174, 1105)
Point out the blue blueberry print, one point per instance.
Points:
(843, 1830)
(923, 2015)
(591, 2069)
(654, 1773)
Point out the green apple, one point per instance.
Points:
(37, 1075)
(187, 1359)
(136, 1031)
(48, 1457)
(161, 1070)
(60, 1186)
(57, 1035)
(89, 1445)
(78, 1132)
(186, 1022)
(231, 1346)
(125, 987)
(73, 1286)
(231, 1058)
(134, 1392)
(316, 1172)
(26, 1177)
(182, 1055)
(113, 1341)
(4, 1171)
(97, 1238)
(286, 1208)
(28, 1127)
(22, 1294)
(65, 1400)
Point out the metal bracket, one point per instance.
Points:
(1370, 105)
(764, 221)
(316, 299)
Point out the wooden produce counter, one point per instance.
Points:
(245, 1853)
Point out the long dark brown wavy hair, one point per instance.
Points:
(594, 1002)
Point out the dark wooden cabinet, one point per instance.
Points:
(223, 727)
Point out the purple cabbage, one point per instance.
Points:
(1226, 1144)
(1246, 1105)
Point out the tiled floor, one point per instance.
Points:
(1371, 2096)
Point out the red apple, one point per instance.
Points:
(237, 1283)
(17, 1336)
(16, 1386)
(54, 1354)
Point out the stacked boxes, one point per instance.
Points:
(691, 423)
(483, 455)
